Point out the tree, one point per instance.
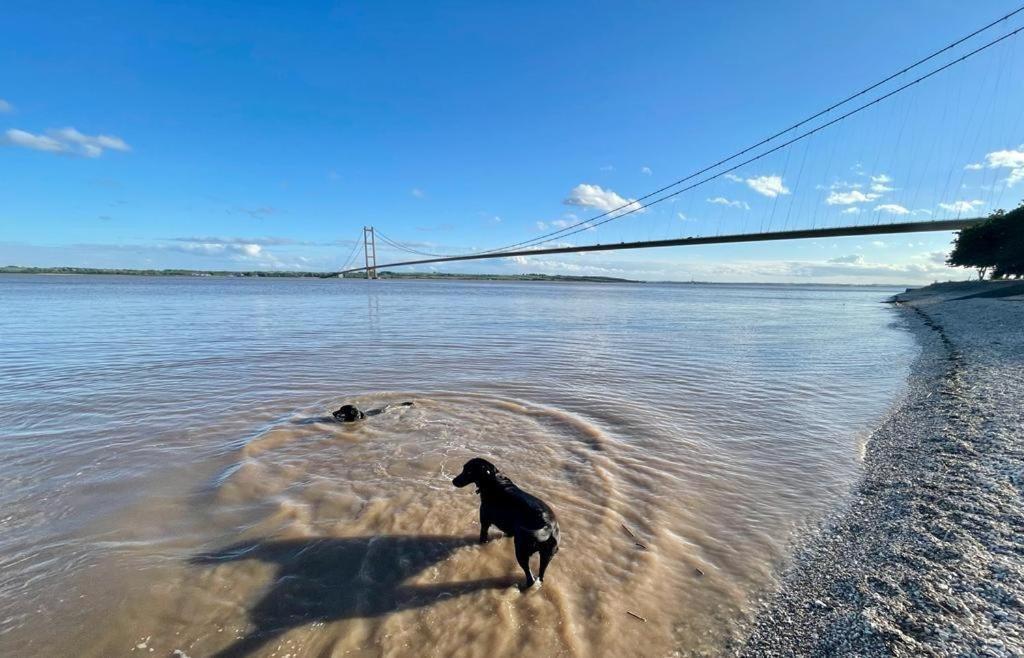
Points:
(996, 244)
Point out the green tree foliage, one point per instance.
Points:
(995, 245)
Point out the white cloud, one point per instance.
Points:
(769, 186)
(840, 185)
(974, 166)
(681, 216)
(250, 250)
(852, 259)
(177, 253)
(842, 269)
(99, 141)
(264, 242)
(892, 209)
(849, 198)
(879, 244)
(565, 221)
(5, 106)
(417, 192)
(734, 178)
(856, 269)
(66, 140)
(722, 201)
(852, 210)
(562, 265)
(646, 171)
(1012, 159)
(594, 196)
(962, 206)
(250, 254)
(28, 140)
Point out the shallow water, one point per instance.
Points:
(167, 480)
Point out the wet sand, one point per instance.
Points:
(928, 557)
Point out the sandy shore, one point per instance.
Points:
(928, 558)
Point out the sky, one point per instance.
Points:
(265, 135)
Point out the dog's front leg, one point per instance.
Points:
(485, 525)
(524, 549)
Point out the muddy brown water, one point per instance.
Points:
(170, 481)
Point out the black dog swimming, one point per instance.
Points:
(527, 518)
(350, 414)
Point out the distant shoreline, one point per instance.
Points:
(417, 276)
(82, 271)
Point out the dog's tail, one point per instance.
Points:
(548, 536)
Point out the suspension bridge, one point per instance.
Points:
(931, 109)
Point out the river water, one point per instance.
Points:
(168, 481)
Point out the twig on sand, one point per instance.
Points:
(633, 614)
(636, 540)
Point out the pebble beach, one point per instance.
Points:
(927, 557)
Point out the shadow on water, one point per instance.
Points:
(330, 579)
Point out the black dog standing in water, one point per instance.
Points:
(528, 519)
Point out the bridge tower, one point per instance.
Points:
(370, 252)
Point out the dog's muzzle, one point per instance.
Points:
(461, 480)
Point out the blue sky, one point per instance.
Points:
(264, 135)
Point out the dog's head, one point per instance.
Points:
(477, 471)
(348, 414)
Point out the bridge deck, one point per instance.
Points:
(880, 229)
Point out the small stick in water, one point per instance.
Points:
(633, 614)
(699, 571)
(636, 540)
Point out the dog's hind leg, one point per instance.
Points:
(524, 549)
(546, 553)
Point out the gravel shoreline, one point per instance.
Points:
(927, 559)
